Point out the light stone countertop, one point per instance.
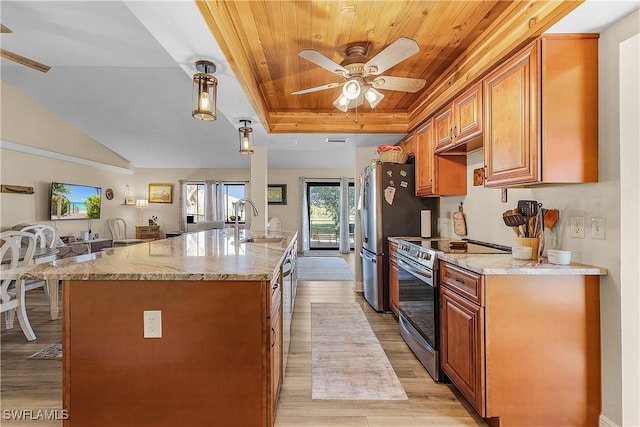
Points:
(205, 255)
(505, 264)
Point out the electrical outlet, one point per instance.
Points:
(576, 227)
(152, 323)
(597, 228)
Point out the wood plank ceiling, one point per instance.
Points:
(459, 42)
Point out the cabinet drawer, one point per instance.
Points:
(466, 283)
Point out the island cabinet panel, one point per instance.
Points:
(541, 114)
(210, 368)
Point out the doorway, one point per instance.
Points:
(325, 211)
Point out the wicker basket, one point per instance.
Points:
(396, 155)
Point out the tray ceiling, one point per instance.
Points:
(459, 41)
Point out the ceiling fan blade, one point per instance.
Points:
(317, 88)
(391, 55)
(403, 84)
(24, 61)
(322, 61)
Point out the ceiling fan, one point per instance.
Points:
(359, 73)
(19, 58)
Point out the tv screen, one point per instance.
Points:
(72, 201)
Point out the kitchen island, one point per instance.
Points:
(218, 358)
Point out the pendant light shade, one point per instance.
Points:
(204, 92)
(351, 89)
(245, 137)
(373, 97)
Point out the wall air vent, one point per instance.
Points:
(337, 140)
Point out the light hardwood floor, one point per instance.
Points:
(37, 384)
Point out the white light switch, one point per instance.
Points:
(152, 323)
(598, 226)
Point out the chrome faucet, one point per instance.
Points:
(238, 203)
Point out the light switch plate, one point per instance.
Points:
(576, 227)
(598, 226)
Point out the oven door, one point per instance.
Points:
(418, 299)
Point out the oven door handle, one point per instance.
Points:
(416, 272)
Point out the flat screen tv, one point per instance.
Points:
(72, 201)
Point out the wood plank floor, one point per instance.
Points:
(37, 384)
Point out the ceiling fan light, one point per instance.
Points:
(373, 97)
(351, 89)
(341, 103)
(204, 92)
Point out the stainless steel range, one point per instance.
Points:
(419, 300)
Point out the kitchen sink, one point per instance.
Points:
(262, 239)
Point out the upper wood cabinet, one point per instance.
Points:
(437, 175)
(460, 122)
(541, 114)
(408, 145)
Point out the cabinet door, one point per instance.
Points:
(443, 126)
(275, 359)
(462, 346)
(425, 171)
(408, 145)
(467, 113)
(512, 136)
(394, 284)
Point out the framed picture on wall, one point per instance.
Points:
(277, 194)
(160, 193)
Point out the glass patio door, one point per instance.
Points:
(324, 204)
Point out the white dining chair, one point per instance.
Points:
(12, 292)
(118, 229)
(46, 237)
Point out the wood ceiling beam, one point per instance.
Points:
(338, 122)
(522, 22)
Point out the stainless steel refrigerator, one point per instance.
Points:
(388, 208)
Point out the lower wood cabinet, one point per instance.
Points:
(462, 346)
(524, 349)
(275, 348)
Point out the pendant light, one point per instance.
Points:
(204, 92)
(245, 137)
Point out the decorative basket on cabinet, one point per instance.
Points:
(394, 155)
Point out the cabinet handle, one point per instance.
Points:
(450, 134)
(275, 286)
(455, 131)
(273, 343)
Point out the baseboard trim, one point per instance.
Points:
(358, 287)
(605, 421)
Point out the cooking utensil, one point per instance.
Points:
(528, 209)
(550, 217)
(508, 222)
(515, 220)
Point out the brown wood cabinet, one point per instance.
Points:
(523, 348)
(459, 124)
(437, 175)
(462, 339)
(541, 114)
(148, 232)
(408, 145)
(394, 284)
(275, 347)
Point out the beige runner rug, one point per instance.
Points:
(347, 360)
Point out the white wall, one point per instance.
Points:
(484, 209)
(630, 222)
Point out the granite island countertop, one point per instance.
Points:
(205, 255)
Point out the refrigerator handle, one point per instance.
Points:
(363, 212)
